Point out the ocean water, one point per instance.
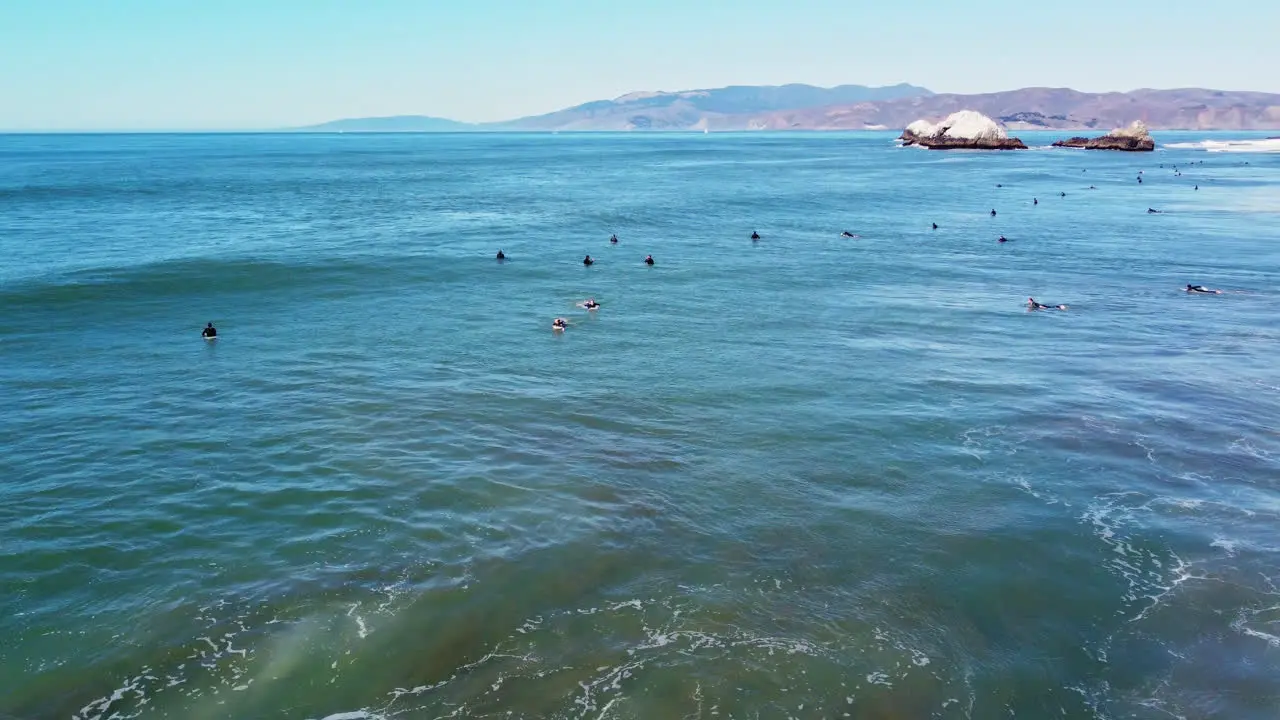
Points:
(808, 477)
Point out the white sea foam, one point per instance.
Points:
(1231, 146)
(879, 678)
(1240, 625)
(361, 628)
(1226, 545)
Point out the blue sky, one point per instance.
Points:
(181, 64)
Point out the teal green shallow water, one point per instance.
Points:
(809, 477)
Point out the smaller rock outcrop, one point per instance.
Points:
(1134, 138)
(964, 130)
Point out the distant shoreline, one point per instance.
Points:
(1262, 134)
(808, 109)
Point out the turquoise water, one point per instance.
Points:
(808, 477)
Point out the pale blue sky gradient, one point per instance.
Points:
(225, 64)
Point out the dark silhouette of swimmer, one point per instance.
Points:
(1035, 201)
(847, 234)
(648, 259)
(587, 260)
(559, 324)
(999, 185)
(591, 304)
(1091, 187)
(993, 213)
(211, 332)
(1152, 211)
(755, 235)
(501, 255)
(1197, 187)
(1002, 239)
(1063, 194)
(1202, 289)
(613, 239)
(1033, 305)
(1139, 179)
(935, 226)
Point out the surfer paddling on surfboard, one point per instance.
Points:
(209, 332)
(1033, 305)
(1203, 289)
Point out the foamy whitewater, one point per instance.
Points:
(1270, 145)
(811, 476)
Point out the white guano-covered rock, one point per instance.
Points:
(972, 125)
(964, 130)
(922, 128)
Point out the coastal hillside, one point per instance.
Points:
(695, 109)
(858, 107)
(1044, 108)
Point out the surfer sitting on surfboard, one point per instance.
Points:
(559, 324)
(590, 304)
(209, 332)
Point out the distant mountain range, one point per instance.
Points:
(645, 110)
(857, 107)
(1047, 108)
(696, 109)
(393, 124)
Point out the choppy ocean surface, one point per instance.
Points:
(809, 477)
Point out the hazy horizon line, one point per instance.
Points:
(480, 125)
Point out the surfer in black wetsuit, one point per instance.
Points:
(648, 259)
(559, 324)
(587, 260)
(613, 239)
(211, 332)
(1033, 305)
(591, 304)
(501, 255)
(847, 234)
(935, 226)
(755, 235)
(1035, 201)
(1002, 239)
(1152, 211)
(993, 213)
(1063, 194)
(1202, 289)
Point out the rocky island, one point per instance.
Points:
(964, 130)
(1134, 138)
